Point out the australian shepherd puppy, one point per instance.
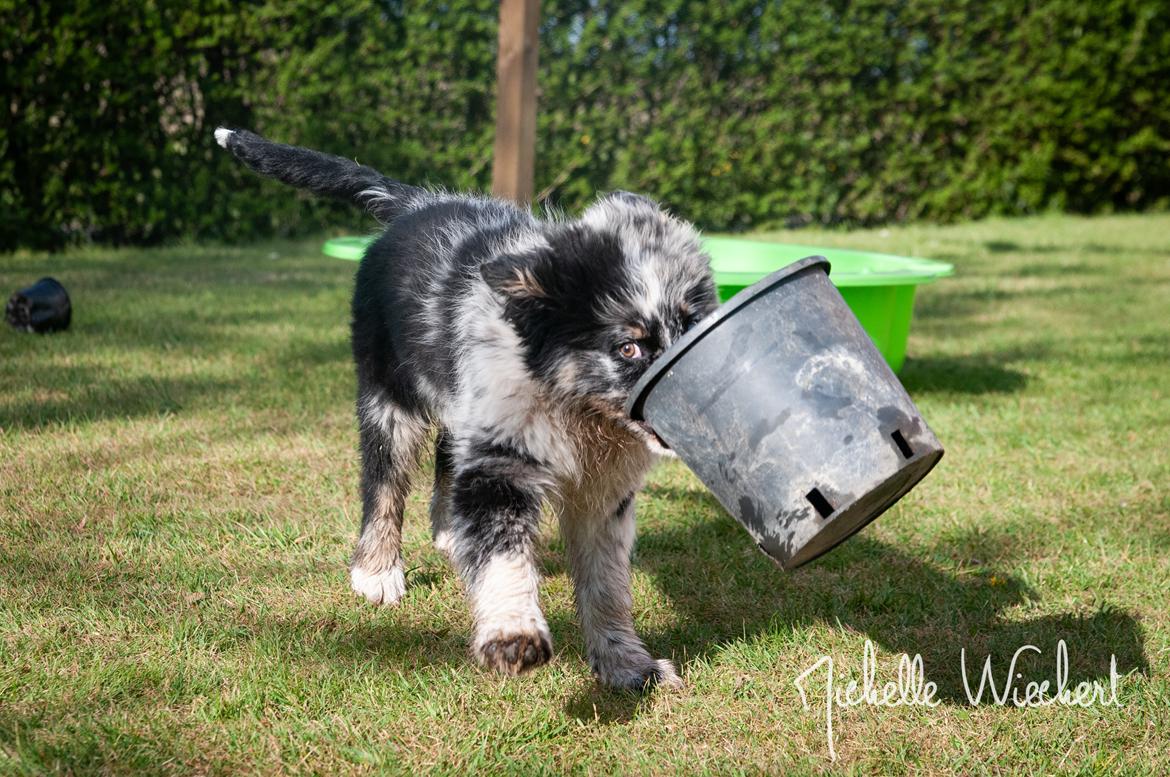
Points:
(516, 341)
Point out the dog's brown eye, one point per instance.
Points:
(630, 350)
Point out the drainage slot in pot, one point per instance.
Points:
(817, 500)
(903, 446)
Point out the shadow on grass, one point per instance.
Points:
(74, 394)
(1011, 246)
(729, 593)
(976, 374)
(354, 637)
(381, 643)
(962, 311)
(88, 394)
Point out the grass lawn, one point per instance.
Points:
(178, 500)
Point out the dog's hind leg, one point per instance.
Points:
(390, 440)
(441, 492)
(598, 544)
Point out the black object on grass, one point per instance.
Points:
(42, 307)
(784, 408)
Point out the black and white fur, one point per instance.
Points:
(518, 340)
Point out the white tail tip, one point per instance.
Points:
(222, 135)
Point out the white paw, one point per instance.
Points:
(222, 135)
(667, 675)
(385, 587)
(641, 675)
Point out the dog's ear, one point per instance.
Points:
(612, 210)
(515, 276)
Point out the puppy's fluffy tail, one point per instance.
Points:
(324, 174)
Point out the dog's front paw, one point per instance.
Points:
(514, 654)
(641, 676)
(384, 587)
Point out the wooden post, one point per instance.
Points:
(512, 171)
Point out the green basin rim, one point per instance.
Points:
(743, 262)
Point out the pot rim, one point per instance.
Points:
(664, 362)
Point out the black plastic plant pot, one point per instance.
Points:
(42, 307)
(784, 408)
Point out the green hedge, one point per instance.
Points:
(737, 114)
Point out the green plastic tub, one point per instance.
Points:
(879, 288)
(352, 248)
